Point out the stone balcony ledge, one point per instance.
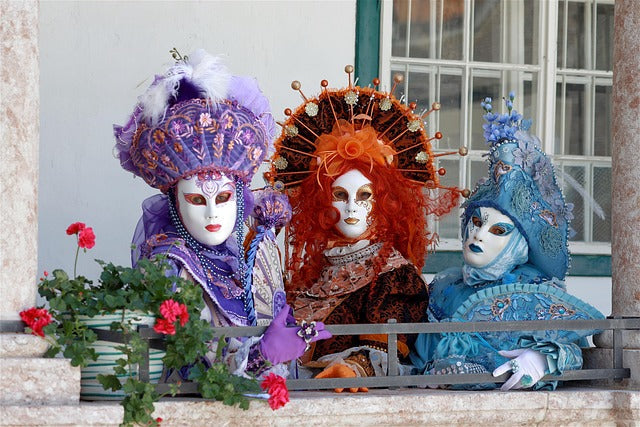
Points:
(566, 406)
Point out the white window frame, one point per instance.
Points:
(548, 76)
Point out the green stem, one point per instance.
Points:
(125, 331)
(75, 264)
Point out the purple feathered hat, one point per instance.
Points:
(196, 118)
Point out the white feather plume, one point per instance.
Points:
(209, 74)
(204, 71)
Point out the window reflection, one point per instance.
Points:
(574, 130)
(449, 114)
(572, 196)
(487, 31)
(449, 225)
(602, 195)
(602, 122)
(604, 37)
(399, 28)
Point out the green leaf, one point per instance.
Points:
(109, 382)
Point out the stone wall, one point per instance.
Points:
(564, 407)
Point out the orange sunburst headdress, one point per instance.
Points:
(341, 124)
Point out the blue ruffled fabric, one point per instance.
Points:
(530, 297)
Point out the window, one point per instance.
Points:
(556, 56)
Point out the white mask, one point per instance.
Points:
(488, 232)
(353, 197)
(207, 206)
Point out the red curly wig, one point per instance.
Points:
(399, 220)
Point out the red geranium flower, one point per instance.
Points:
(163, 326)
(36, 319)
(170, 310)
(277, 389)
(86, 238)
(75, 228)
(184, 315)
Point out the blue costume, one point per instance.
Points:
(524, 281)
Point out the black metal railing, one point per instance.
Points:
(614, 372)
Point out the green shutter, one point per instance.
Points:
(367, 40)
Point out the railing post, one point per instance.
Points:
(392, 352)
(617, 345)
(143, 366)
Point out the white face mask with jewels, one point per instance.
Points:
(207, 207)
(487, 234)
(353, 197)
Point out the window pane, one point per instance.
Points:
(575, 137)
(478, 170)
(602, 122)
(482, 88)
(449, 225)
(449, 114)
(452, 28)
(420, 30)
(577, 52)
(531, 16)
(399, 27)
(418, 91)
(604, 37)
(434, 22)
(560, 39)
(527, 105)
(572, 196)
(487, 31)
(558, 121)
(602, 195)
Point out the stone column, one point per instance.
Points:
(19, 133)
(626, 170)
(625, 244)
(27, 378)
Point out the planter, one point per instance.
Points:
(90, 387)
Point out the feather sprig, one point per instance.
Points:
(205, 72)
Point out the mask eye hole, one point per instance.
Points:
(364, 194)
(340, 194)
(476, 221)
(501, 229)
(195, 199)
(497, 230)
(223, 197)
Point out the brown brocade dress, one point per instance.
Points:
(349, 291)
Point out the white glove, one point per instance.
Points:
(528, 367)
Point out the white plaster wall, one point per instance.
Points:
(97, 57)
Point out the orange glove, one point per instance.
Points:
(341, 371)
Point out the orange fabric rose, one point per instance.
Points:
(346, 143)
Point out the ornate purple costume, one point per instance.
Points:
(199, 135)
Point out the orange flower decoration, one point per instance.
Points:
(345, 143)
